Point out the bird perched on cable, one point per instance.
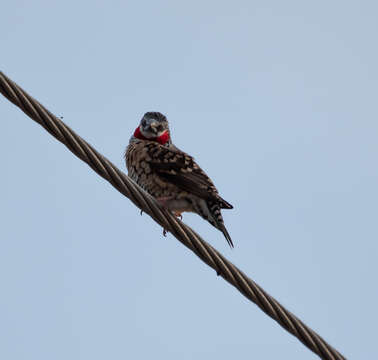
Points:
(171, 176)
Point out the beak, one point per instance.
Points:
(153, 127)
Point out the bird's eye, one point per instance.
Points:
(159, 128)
(144, 123)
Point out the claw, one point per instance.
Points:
(165, 232)
(141, 212)
(164, 202)
(178, 214)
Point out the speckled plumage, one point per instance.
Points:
(170, 175)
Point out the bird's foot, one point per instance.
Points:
(178, 214)
(164, 202)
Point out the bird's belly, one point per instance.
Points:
(179, 205)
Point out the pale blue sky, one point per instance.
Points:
(277, 100)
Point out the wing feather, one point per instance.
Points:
(180, 169)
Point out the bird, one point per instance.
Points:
(170, 175)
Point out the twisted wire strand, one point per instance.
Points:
(188, 237)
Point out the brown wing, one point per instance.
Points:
(181, 170)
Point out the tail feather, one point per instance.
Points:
(226, 235)
(217, 220)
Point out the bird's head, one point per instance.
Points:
(153, 127)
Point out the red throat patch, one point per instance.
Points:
(162, 139)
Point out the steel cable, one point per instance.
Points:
(182, 232)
